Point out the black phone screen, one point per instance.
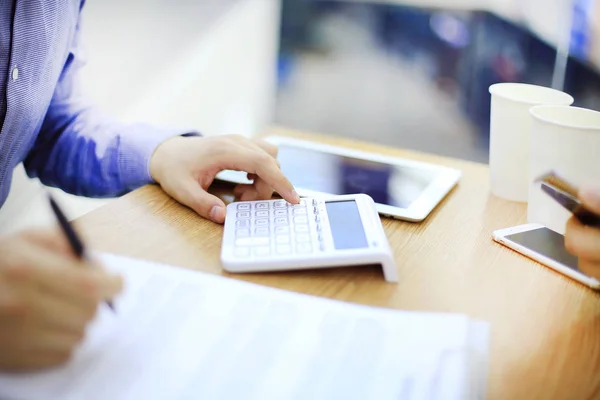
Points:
(548, 243)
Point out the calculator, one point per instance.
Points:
(323, 232)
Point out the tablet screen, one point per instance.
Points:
(338, 175)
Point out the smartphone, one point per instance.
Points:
(566, 194)
(546, 247)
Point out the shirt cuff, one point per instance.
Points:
(136, 150)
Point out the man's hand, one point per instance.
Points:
(584, 241)
(47, 298)
(185, 167)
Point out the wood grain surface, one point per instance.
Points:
(545, 340)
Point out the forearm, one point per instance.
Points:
(84, 153)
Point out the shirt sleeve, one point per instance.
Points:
(86, 153)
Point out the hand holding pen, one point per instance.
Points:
(47, 299)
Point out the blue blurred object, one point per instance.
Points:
(451, 29)
(580, 31)
(460, 53)
(285, 64)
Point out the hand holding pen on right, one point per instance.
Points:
(582, 240)
(47, 299)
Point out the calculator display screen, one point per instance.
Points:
(338, 175)
(346, 225)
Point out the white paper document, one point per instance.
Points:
(180, 334)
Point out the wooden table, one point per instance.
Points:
(545, 328)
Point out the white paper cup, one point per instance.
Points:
(565, 140)
(510, 135)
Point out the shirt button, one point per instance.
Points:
(15, 74)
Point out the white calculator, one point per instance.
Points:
(324, 232)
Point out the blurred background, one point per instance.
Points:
(405, 73)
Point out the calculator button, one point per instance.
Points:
(261, 214)
(262, 251)
(300, 220)
(301, 228)
(300, 211)
(281, 213)
(243, 207)
(284, 249)
(300, 205)
(319, 227)
(261, 222)
(261, 206)
(243, 215)
(244, 232)
(280, 204)
(252, 241)
(241, 252)
(262, 231)
(304, 248)
(281, 221)
(302, 238)
(242, 223)
(282, 239)
(281, 229)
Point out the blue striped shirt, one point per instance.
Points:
(46, 121)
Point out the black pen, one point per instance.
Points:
(74, 240)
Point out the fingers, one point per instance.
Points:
(250, 195)
(58, 313)
(68, 278)
(590, 268)
(46, 348)
(240, 189)
(205, 204)
(260, 190)
(54, 341)
(271, 149)
(272, 175)
(591, 199)
(80, 282)
(32, 304)
(582, 241)
(33, 360)
(53, 240)
(263, 189)
(42, 360)
(265, 166)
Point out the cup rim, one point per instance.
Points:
(495, 90)
(541, 118)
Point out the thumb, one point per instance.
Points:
(50, 239)
(204, 203)
(591, 199)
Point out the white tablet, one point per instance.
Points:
(401, 188)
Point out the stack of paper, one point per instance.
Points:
(180, 334)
